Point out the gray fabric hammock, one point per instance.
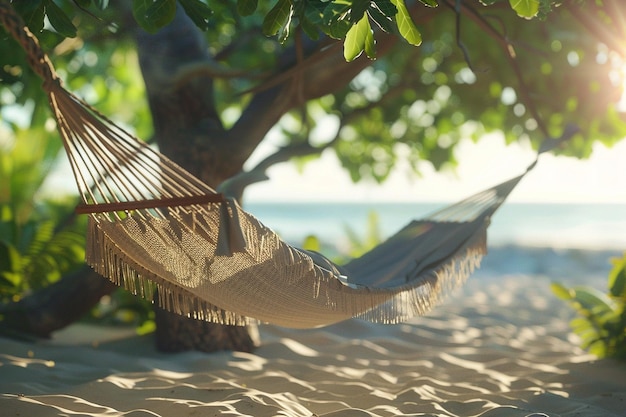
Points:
(154, 226)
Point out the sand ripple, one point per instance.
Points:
(501, 347)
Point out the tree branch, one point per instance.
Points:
(235, 186)
(510, 54)
(322, 71)
(56, 305)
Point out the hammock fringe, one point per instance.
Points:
(442, 281)
(105, 257)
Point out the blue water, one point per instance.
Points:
(585, 226)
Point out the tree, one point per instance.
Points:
(220, 75)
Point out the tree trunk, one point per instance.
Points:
(176, 333)
(189, 131)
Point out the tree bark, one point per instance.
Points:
(55, 306)
(176, 333)
(188, 130)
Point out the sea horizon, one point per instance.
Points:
(589, 225)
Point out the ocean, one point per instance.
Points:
(564, 242)
(563, 226)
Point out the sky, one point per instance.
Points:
(600, 179)
(555, 179)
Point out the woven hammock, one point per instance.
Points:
(155, 227)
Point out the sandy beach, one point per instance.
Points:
(501, 346)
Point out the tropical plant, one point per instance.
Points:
(39, 241)
(361, 241)
(601, 321)
(358, 242)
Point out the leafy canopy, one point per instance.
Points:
(523, 67)
(353, 21)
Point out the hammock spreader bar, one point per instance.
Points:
(155, 227)
(153, 203)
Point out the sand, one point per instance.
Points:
(501, 346)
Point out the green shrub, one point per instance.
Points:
(601, 321)
(41, 240)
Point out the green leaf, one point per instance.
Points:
(314, 13)
(309, 28)
(406, 26)
(525, 8)
(277, 18)
(339, 29)
(32, 12)
(357, 39)
(198, 12)
(312, 243)
(383, 21)
(9, 282)
(597, 347)
(592, 300)
(358, 10)
(370, 43)
(59, 20)
(335, 12)
(382, 13)
(386, 7)
(161, 12)
(561, 291)
(247, 7)
(9, 258)
(617, 278)
(49, 39)
(139, 13)
(581, 325)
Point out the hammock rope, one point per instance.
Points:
(154, 226)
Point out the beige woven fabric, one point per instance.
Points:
(206, 256)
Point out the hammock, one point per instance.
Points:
(155, 227)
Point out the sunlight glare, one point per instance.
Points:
(481, 165)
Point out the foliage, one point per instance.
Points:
(601, 324)
(357, 243)
(39, 240)
(474, 72)
(351, 20)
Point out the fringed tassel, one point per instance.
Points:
(106, 258)
(173, 299)
(417, 301)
